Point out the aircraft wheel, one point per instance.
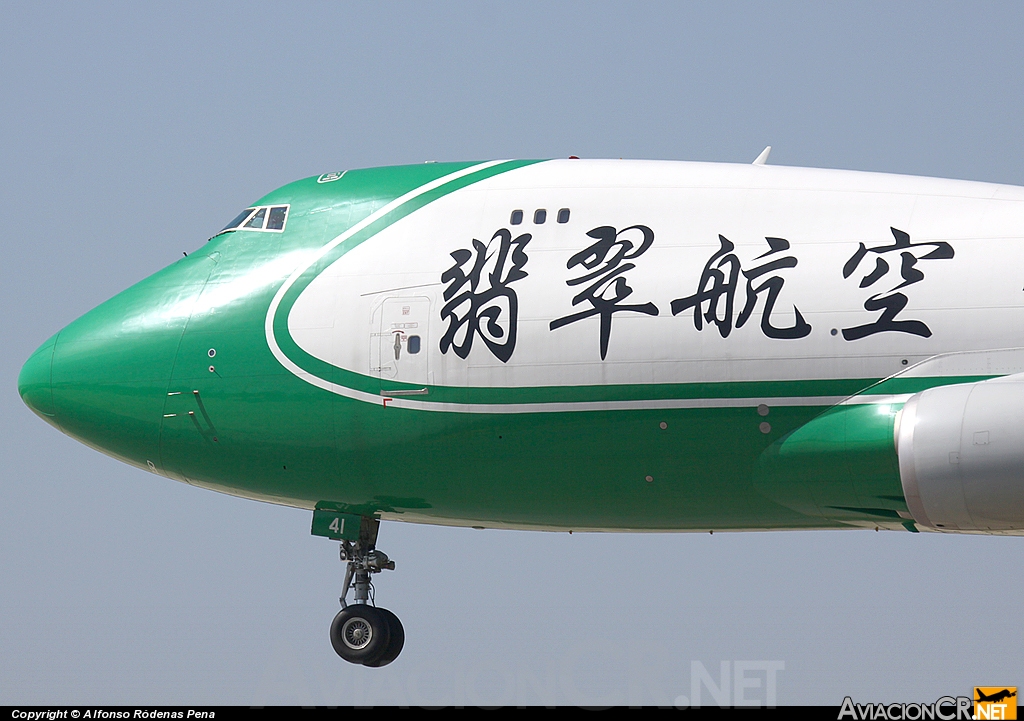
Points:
(360, 634)
(395, 643)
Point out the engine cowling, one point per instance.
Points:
(961, 456)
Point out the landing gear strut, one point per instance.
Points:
(361, 632)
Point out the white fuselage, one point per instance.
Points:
(856, 240)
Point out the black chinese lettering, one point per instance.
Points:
(478, 299)
(891, 302)
(716, 289)
(714, 301)
(607, 287)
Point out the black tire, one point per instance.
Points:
(360, 634)
(395, 644)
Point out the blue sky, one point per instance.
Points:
(131, 132)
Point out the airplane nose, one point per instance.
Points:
(103, 379)
(109, 374)
(34, 381)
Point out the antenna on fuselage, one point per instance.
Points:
(763, 157)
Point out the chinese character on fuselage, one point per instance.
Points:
(478, 297)
(891, 302)
(607, 287)
(714, 301)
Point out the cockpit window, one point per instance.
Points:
(238, 221)
(256, 221)
(263, 217)
(277, 216)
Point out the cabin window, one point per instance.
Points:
(413, 344)
(516, 219)
(256, 221)
(539, 216)
(277, 215)
(238, 220)
(563, 215)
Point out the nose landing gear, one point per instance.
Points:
(362, 633)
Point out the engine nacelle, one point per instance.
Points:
(961, 456)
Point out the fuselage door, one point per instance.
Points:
(399, 347)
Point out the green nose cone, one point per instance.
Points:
(35, 381)
(103, 379)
